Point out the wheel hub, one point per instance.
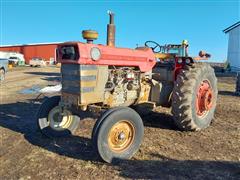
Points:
(121, 136)
(59, 120)
(204, 99)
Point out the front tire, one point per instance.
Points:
(119, 135)
(54, 124)
(194, 97)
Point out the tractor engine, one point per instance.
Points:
(104, 86)
(122, 87)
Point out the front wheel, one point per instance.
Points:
(119, 134)
(194, 97)
(53, 121)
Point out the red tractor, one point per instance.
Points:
(110, 81)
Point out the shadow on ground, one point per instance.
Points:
(166, 168)
(227, 93)
(44, 73)
(155, 119)
(159, 120)
(48, 76)
(19, 117)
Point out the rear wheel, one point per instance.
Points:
(194, 97)
(53, 121)
(119, 134)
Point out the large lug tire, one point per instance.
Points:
(194, 97)
(2, 75)
(118, 134)
(51, 123)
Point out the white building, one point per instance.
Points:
(233, 55)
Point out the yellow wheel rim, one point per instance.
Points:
(121, 136)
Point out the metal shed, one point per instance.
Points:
(233, 55)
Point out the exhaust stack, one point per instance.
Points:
(111, 30)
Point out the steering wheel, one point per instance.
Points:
(154, 46)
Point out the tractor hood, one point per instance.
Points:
(85, 53)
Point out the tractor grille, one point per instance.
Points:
(78, 78)
(81, 84)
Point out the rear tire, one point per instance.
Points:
(194, 97)
(118, 135)
(46, 117)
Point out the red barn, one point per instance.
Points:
(42, 50)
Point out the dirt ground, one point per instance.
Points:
(165, 153)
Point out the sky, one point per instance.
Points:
(200, 22)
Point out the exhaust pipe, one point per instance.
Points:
(111, 30)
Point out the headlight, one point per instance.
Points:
(179, 61)
(95, 53)
(188, 61)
